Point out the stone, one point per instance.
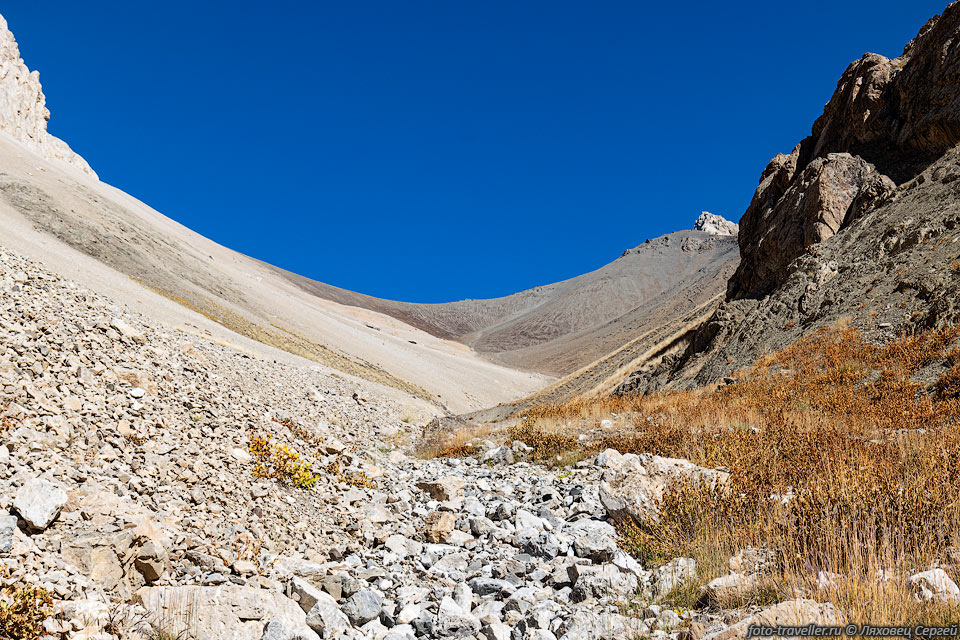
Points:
(454, 622)
(481, 526)
(362, 607)
(934, 586)
(8, 525)
(599, 581)
(668, 620)
(437, 525)
(409, 613)
(495, 631)
(728, 591)
(443, 489)
(523, 519)
(789, 613)
(397, 544)
(151, 561)
(323, 614)
(584, 624)
(498, 455)
(595, 540)
(492, 587)
(39, 503)
(279, 630)
(633, 486)
(221, 613)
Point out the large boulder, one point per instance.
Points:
(633, 484)
(39, 503)
(323, 614)
(779, 225)
(789, 613)
(223, 613)
(934, 586)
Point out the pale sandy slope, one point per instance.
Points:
(109, 241)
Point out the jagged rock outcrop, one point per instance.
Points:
(717, 225)
(886, 118)
(23, 108)
(837, 228)
(899, 114)
(825, 196)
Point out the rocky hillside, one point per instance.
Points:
(857, 224)
(153, 482)
(23, 109)
(459, 357)
(559, 328)
(53, 209)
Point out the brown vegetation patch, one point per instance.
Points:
(842, 461)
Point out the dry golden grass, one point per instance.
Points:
(439, 441)
(841, 461)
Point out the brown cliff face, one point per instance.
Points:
(780, 225)
(888, 120)
(858, 223)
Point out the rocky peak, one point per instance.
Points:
(23, 109)
(717, 225)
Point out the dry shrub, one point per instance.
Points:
(441, 440)
(353, 478)
(280, 462)
(297, 431)
(841, 461)
(23, 610)
(547, 445)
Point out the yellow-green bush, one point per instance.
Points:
(22, 612)
(280, 462)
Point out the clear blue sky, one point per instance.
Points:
(433, 151)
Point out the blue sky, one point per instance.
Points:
(434, 151)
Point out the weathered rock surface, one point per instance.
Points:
(828, 194)
(856, 223)
(934, 586)
(23, 109)
(633, 485)
(717, 225)
(222, 613)
(39, 503)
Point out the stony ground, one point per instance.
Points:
(128, 490)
